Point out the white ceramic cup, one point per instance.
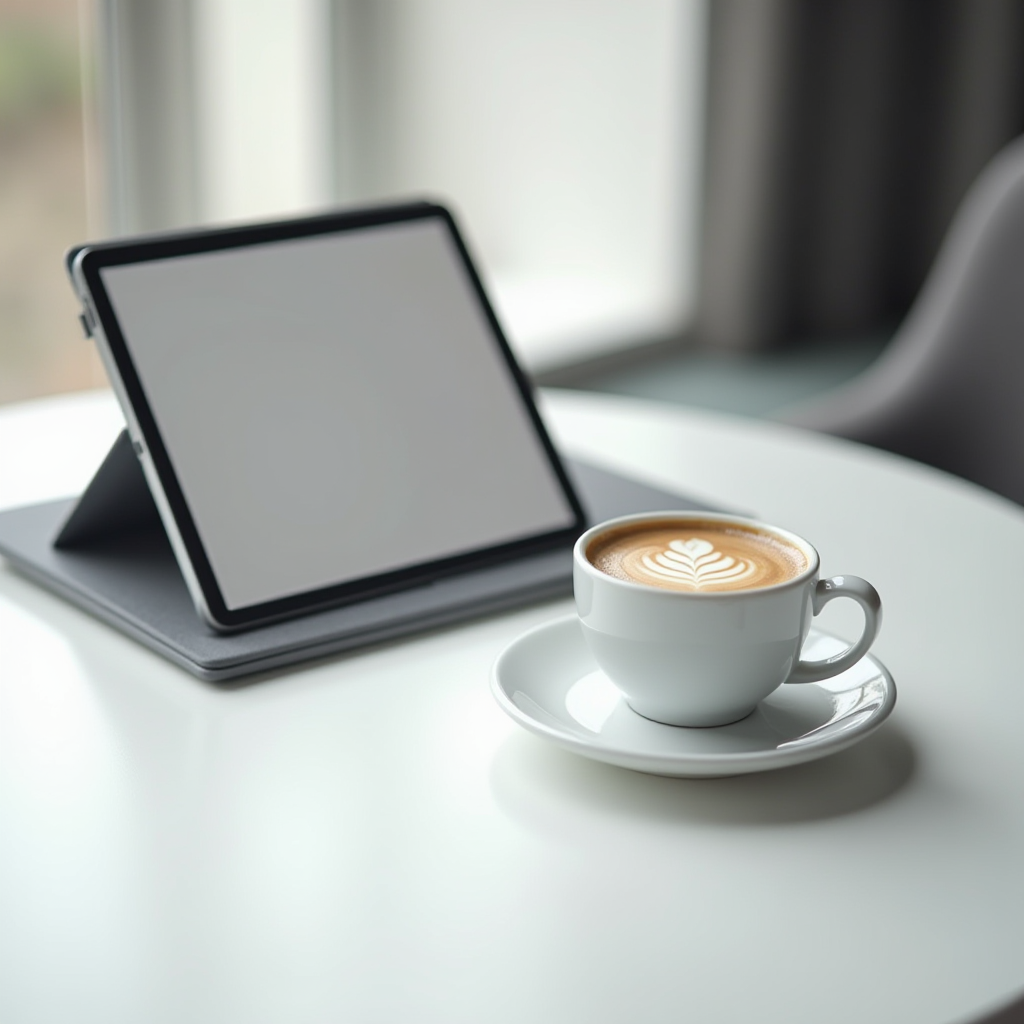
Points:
(708, 658)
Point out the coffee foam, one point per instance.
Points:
(695, 556)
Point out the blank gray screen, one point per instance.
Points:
(334, 407)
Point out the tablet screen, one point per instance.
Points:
(335, 407)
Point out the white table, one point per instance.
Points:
(371, 839)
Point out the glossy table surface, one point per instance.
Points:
(371, 839)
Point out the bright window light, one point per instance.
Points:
(565, 136)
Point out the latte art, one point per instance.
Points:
(696, 556)
(696, 563)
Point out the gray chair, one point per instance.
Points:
(949, 389)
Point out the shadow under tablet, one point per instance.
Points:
(127, 576)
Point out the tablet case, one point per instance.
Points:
(107, 553)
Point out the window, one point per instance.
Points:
(43, 206)
(565, 136)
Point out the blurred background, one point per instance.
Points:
(728, 203)
(43, 198)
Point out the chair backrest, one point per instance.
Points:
(949, 389)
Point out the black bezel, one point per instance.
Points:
(91, 259)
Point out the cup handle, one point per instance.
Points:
(867, 597)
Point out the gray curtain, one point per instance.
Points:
(841, 135)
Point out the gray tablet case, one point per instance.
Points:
(107, 552)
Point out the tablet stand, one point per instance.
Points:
(107, 552)
(117, 501)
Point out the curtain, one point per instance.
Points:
(840, 137)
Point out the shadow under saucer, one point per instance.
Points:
(544, 787)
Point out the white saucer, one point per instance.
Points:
(547, 681)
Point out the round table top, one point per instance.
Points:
(371, 838)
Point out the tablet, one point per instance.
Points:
(325, 409)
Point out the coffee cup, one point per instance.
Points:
(697, 617)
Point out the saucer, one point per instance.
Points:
(548, 682)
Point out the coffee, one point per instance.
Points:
(712, 616)
(695, 555)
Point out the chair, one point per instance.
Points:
(949, 389)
